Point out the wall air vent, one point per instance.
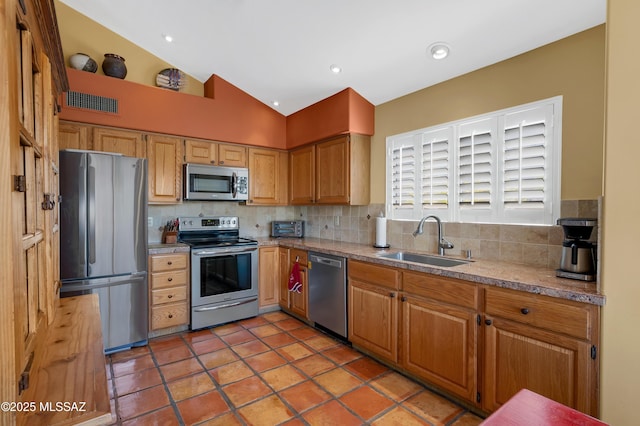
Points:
(92, 102)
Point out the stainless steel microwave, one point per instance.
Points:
(215, 183)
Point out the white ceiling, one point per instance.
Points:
(282, 49)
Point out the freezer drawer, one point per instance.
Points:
(123, 308)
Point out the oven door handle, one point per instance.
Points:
(209, 253)
(226, 305)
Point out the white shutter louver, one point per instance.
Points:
(403, 180)
(475, 169)
(525, 164)
(435, 173)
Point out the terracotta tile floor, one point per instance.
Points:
(268, 370)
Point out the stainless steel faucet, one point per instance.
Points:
(442, 243)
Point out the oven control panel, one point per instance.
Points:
(208, 223)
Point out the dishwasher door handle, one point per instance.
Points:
(325, 261)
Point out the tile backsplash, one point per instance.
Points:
(524, 244)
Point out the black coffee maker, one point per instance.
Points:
(578, 260)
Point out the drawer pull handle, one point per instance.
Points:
(170, 315)
(170, 279)
(524, 311)
(488, 321)
(170, 296)
(169, 263)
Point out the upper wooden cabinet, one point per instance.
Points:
(215, 153)
(74, 136)
(164, 169)
(268, 170)
(335, 171)
(125, 142)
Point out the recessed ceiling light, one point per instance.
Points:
(438, 50)
(167, 38)
(335, 69)
(276, 103)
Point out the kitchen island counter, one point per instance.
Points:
(525, 278)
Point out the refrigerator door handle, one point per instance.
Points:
(91, 207)
(101, 282)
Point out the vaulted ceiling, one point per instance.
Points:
(282, 50)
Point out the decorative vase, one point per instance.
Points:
(113, 66)
(83, 62)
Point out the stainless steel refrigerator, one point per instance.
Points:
(103, 240)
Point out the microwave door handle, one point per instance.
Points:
(234, 184)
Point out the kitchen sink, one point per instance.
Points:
(424, 259)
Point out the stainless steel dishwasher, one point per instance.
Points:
(328, 292)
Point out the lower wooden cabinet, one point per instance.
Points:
(438, 330)
(543, 344)
(373, 308)
(268, 277)
(168, 290)
(293, 302)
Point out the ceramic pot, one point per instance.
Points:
(83, 62)
(113, 66)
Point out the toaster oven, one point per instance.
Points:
(287, 228)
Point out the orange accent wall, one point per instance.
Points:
(230, 115)
(344, 112)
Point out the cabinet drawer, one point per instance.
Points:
(370, 273)
(447, 290)
(562, 316)
(169, 315)
(169, 279)
(168, 295)
(168, 262)
(301, 254)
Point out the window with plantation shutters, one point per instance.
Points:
(501, 167)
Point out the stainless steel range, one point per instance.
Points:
(224, 270)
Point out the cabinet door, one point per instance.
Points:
(431, 329)
(232, 155)
(285, 270)
(298, 302)
(269, 276)
(268, 174)
(74, 136)
(302, 175)
(332, 166)
(373, 319)
(200, 152)
(165, 163)
(520, 356)
(120, 141)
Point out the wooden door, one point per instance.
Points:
(332, 171)
(267, 168)
(283, 280)
(373, 319)
(302, 175)
(268, 276)
(298, 302)
(230, 155)
(124, 142)
(74, 136)
(520, 356)
(165, 169)
(200, 152)
(439, 344)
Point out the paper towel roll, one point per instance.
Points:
(381, 232)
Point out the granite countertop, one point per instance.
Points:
(159, 248)
(500, 274)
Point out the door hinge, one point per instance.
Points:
(49, 202)
(594, 352)
(20, 183)
(478, 397)
(23, 383)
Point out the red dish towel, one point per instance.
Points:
(294, 279)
